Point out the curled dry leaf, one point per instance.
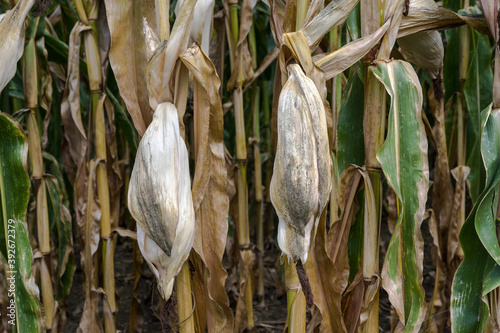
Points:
(338, 61)
(422, 18)
(210, 189)
(160, 69)
(301, 182)
(128, 55)
(12, 40)
(334, 14)
(200, 27)
(159, 197)
(425, 49)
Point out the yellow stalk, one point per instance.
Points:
(30, 85)
(95, 82)
(301, 13)
(295, 299)
(162, 19)
(184, 299)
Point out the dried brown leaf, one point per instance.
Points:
(75, 138)
(210, 186)
(422, 18)
(90, 231)
(338, 61)
(242, 59)
(128, 55)
(160, 72)
(332, 15)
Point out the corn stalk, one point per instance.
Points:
(87, 13)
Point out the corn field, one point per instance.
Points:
(250, 166)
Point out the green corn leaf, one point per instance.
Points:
(476, 275)
(478, 94)
(350, 142)
(14, 242)
(404, 161)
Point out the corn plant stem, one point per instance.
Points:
(233, 16)
(335, 43)
(95, 83)
(162, 8)
(374, 130)
(268, 229)
(295, 299)
(253, 47)
(241, 155)
(461, 106)
(258, 187)
(301, 13)
(371, 253)
(184, 299)
(30, 85)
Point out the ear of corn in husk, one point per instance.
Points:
(301, 181)
(12, 40)
(159, 197)
(425, 49)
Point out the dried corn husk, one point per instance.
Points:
(301, 181)
(159, 197)
(12, 40)
(201, 25)
(425, 49)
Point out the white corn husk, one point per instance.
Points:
(302, 177)
(201, 31)
(425, 49)
(159, 197)
(12, 40)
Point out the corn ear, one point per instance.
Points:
(425, 49)
(12, 40)
(159, 197)
(301, 181)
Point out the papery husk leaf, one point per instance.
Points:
(424, 49)
(128, 55)
(12, 29)
(338, 61)
(201, 26)
(404, 161)
(296, 44)
(161, 202)
(301, 182)
(160, 68)
(210, 192)
(156, 260)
